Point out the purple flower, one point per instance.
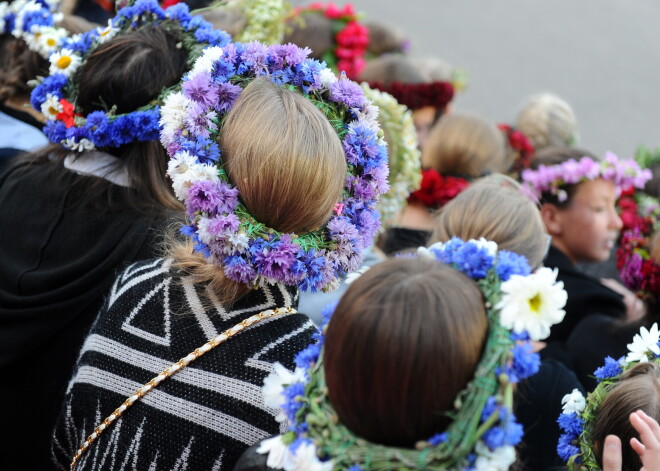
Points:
(201, 89)
(309, 269)
(221, 226)
(341, 229)
(308, 75)
(347, 92)
(255, 56)
(276, 259)
(211, 197)
(200, 121)
(227, 95)
(238, 269)
(287, 54)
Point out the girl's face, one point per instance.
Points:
(424, 118)
(587, 229)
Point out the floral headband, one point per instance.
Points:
(404, 156)
(351, 38)
(33, 21)
(220, 225)
(637, 269)
(553, 178)
(520, 144)
(56, 95)
(419, 95)
(520, 306)
(436, 190)
(576, 442)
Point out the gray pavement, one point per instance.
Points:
(602, 56)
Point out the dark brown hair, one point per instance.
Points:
(19, 65)
(403, 341)
(555, 156)
(639, 388)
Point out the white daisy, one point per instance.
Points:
(107, 33)
(274, 386)
(532, 303)
(64, 62)
(184, 169)
(573, 402)
(172, 115)
(327, 77)
(206, 60)
(49, 40)
(499, 460)
(644, 343)
(51, 107)
(80, 146)
(279, 454)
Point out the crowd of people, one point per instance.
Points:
(255, 237)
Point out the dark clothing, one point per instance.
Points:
(208, 413)
(59, 258)
(397, 239)
(586, 296)
(253, 461)
(594, 338)
(538, 405)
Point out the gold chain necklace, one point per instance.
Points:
(185, 361)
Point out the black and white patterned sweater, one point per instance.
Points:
(204, 416)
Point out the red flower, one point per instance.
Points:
(333, 12)
(437, 190)
(68, 113)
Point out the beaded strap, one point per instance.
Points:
(185, 361)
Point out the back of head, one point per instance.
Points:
(639, 388)
(392, 68)
(384, 38)
(435, 70)
(312, 30)
(547, 120)
(465, 145)
(284, 157)
(19, 64)
(404, 340)
(496, 209)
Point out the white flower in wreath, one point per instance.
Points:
(107, 33)
(327, 78)
(305, 459)
(49, 40)
(206, 60)
(64, 62)
(274, 386)
(532, 303)
(184, 169)
(279, 454)
(79, 146)
(644, 343)
(489, 245)
(573, 402)
(500, 459)
(51, 107)
(172, 115)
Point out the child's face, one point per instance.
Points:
(424, 118)
(589, 226)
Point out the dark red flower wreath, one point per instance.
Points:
(437, 190)
(419, 95)
(520, 144)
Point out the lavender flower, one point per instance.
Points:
(227, 95)
(201, 89)
(347, 92)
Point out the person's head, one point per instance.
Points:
(494, 208)
(584, 224)
(297, 155)
(385, 39)
(547, 120)
(403, 341)
(465, 145)
(639, 388)
(312, 30)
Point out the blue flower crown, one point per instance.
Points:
(484, 429)
(33, 21)
(56, 94)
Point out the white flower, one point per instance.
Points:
(82, 145)
(327, 77)
(305, 459)
(274, 386)
(573, 402)
(206, 60)
(174, 110)
(49, 40)
(423, 252)
(643, 343)
(64, 62)
(107, 33)
(279, 454)
(238, 241)
(184, 169)
(489, 245)
(51, 107)
(351, 277)
(532, 303)
(499, 460)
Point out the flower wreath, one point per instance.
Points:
(637, 269)
(520, 144)
(404, 156)
(221, 227)
(351, 37)
(520, 306)
(33, 21)
(419, 95)
(437, 190)
(55, 95)
(638, 210)
(553, 178)
(575, 444)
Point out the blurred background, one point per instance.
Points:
(602, 56)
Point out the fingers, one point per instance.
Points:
(648, 429)
(612, 454)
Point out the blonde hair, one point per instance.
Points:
(392, 68)
(280, 151)
(466, 145)
(548, 120)
(496, 209)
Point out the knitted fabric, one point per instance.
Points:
(204, 416)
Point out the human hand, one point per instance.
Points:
(648, 448)
(635, 308)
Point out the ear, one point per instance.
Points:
(552, 218)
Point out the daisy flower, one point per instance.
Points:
(274, 386)
(51, 107)
(279, 454)
(49, 40)
(573, 402)
(532, 303)
(643, 343)
(64, 62)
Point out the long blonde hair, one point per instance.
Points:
(496, 209)
(465, 145)
(288, 164)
